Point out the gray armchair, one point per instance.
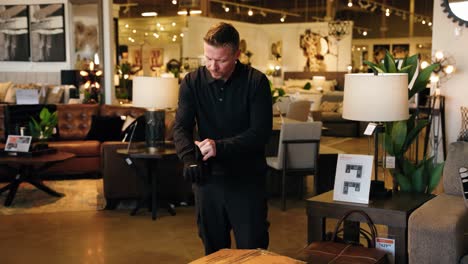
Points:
(437, 231)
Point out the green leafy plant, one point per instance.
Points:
(44, 128)
(409, 175)
(276, 93)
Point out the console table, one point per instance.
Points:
(28, 169)
(151, 160)
(392, 212)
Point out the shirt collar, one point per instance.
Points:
(211, 80)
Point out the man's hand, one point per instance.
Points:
(207, 148)
(196, 171)
(193, 172)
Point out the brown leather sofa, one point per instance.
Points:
(74, 123)
(95, 158)
(121, 181)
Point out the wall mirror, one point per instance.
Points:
(457, 10)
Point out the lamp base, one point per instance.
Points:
(378, 191)
(154, 130)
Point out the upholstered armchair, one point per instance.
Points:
(438, 230)
(298, 152)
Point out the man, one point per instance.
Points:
(231, 105)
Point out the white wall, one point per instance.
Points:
(41, 66)
(456, 88)
(259, 39)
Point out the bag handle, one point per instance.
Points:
(373, 229)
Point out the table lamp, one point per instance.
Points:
(376, 98)
(156, 94)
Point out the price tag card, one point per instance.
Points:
(387, 245)
(18, 143)
(390, 162)
(370, 129)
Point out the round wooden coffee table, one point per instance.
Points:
(28, 169)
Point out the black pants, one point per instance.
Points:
(221, 207)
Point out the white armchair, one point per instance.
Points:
(298, 152)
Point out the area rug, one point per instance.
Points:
(80, 195)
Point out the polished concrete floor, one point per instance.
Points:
(116, 237)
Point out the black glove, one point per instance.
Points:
(196, 171)
(193, 172)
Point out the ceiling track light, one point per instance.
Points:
(251, 9)
(283, 18)
(350, 3)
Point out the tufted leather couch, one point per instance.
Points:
(74, 123)
(99, 158)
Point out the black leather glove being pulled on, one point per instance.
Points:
(193, 172)
(197, 171)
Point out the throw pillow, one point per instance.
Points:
(139, 134)
(464, 180)
(463, 135)
(329, 106)
(340, 108)
(324, 86)
(4, 89)
(10, 96)
(105, 128)
(54, 95)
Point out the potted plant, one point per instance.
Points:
(276, 93)
(44, 128)
(412, 176)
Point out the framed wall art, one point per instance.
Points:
(85, 34)
(353, 177)
(14, 33)
(379, 52)
(47, 32)
(400, 51)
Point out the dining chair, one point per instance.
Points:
(299, 110)
(281, 105)
(298, 153)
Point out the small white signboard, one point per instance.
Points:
(353, 176)
(27, 96)
(387, 245)
(370, 129)
(18, 143)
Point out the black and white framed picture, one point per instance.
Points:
(353, 177)
(47, 32)
(14, 33)
(400, 51)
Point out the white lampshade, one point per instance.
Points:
(379, 98)
(155, 92)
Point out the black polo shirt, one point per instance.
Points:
(237, 114)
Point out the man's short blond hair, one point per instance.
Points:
(221, 35)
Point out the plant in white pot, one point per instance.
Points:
(43, 129)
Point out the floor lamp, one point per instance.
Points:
(156, 94)
(376, 98)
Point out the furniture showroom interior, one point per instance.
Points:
(366, 161)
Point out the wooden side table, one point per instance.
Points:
(28, 169)
(151, 160)
(392, 212)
